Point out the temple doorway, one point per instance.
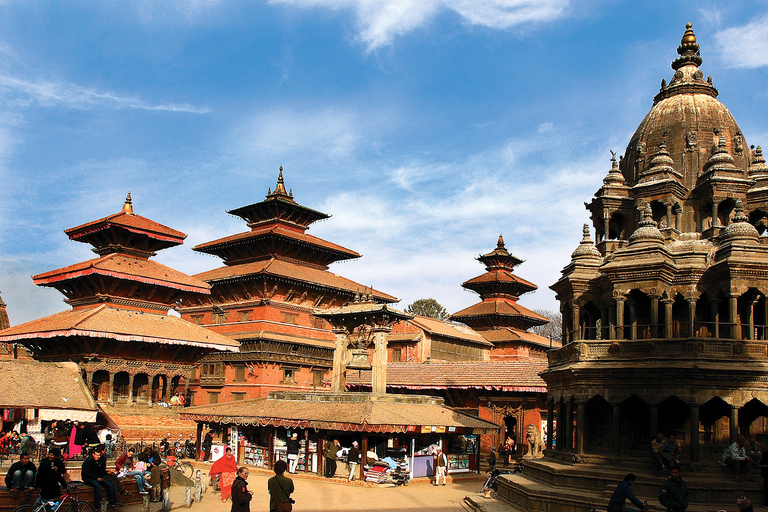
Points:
(510, 430)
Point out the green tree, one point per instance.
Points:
(554, 329)
(429, 308)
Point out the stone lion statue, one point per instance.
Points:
(533, 437)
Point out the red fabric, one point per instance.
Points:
(227, 468)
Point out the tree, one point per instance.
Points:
(554, 329)
(429, 308)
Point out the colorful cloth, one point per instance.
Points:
(74, 449)
(227, 468)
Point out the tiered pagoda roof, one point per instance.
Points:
(499, 290)
(122, 295)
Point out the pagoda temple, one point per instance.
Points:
(498, 317)
(119, 332)
(275, 277)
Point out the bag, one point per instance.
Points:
(284, 506)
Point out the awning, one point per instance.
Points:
(67, 414)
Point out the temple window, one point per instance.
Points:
(245, 315)
(317, 378)
(289, 376)
(396, 355)
(289, 318)
(213, 398)
(236, 396)
(240, 373)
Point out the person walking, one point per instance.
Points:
(624, 493)
(280, 488)
(241, 496)
(293, 446)
(441, 467)
(353, 458)
(674, 492)
(329, 452)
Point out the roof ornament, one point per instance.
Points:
(740, 228)
(614, 177)
(586, 248)
(128, 206)
(279, 188)
(500, 243)
(688, 50)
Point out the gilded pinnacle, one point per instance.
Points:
(128, 206)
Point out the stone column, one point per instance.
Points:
(112, 388)
(751, 319)
(653, 420)
(167, 394)
(563, 327)
(89, 383)
(581, 434)
(691, 316)
(550, 423)
(734, 423)
(715, 305)
(606, 226)
(151, 383)
(632, 320)
(575, 322)
(668, 325)
(379, 363)
(616, 429)
(694, 433)
(733, 310)
(654, 316)
(130, 388)
(620, 317)
(568, 430)
(338, 380)
(715, 220)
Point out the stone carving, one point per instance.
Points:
(698, 75)
(738, 143)
(640, 148)
(533, 438)
(691, 140)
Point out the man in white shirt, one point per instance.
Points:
(441, 466)
(734, 456)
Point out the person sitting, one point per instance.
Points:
(752, 449)
(492, 458)
(656, 445)
(624, 493)
(670, 452)
(20, 476)
(49, 475)
(126, 468)
(736, 457)
(93, 475)
(674, 492)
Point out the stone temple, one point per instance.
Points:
(665, 313)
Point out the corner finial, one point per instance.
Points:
(688, 50)
(128, 206)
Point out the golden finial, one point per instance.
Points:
(688, 50)
(128, 206)
(500, 243)
(689, 37)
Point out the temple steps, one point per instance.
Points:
(547, 485)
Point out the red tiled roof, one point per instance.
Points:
(449, 329)
(510, 334)
(126, 267)
(287, 338)
(280, 231)
(127, 325)
(131, 222)
(346, 413)
(291, 271)
(500, 276)
(500, 307)
(518, 375)
(36, 385)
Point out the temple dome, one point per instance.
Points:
(586, 249)
(686, 117)
(647, 232)
(740, 228)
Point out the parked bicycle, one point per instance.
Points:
(73, 504)
(182, 466)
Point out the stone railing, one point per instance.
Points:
(684, 348)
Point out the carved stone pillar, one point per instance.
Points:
(112, 388)
(734, 423)
(694, 433)
(691, 316)
(581, 430)
(130, 388)
(616, 429)
(575, 322)
(669, 214)
(620, 317)
(606, 226)
(550, 423)
(632, 320)
(654, 316)
(668, 325)
(715, 220)
(379, 363)
(568, 430)
(338, 379)
(733, 311)
(715, 305)
(751, 320)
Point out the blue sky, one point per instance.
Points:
(424, 127)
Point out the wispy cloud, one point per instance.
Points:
(67, 95)
(745, 46)
(380, 22)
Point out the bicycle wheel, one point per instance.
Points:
(80, 506)
(186, 469)
(24, 508)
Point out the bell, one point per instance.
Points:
(359, 360)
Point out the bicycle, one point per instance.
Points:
(75, 505)
(182, 466)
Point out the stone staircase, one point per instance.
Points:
(548, 485)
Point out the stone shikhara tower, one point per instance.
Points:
(665, 315)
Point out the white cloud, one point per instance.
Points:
(380, 21)
(745, 46)
(72, 96)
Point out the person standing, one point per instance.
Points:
(353, 458)
(441, 466)
(293, 446)
(226, 469)
(20, 476)
(329, 452)
(674, 492)
(241, 496)
(207, 442)
(624, 493)
(49, 475)
(280, 488)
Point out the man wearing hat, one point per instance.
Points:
(735, 456)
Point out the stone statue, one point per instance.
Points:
(533, 437)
